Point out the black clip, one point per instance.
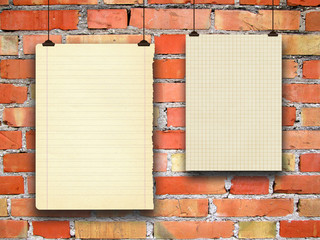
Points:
(194, 34)
(273, 34)
(48, 43)
(143, 43)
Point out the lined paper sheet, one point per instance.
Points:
(233, 103)
(94, 126)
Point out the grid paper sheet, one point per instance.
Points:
(233, 103)
(94, 126)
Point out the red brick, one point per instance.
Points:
(178, 208)
(19, 117)
(193, 229)
(309, 207)
(10, 139)
(38, 20)
(245, 20)
(313, 21)
(298, 44)
(289, 68)
(297, 184)
(310, 162)
(249, 185)
(305, 93)
(310, 116)
(53, 2)
(11, 185)
(13, 229)
(170, 44)
(113, 213)
(123, 1)
(31, 184)
(176, 117)
(51, 229)
(171, 139)
(8, 45)
(17, 68)
(111, 38)
(159, 162)
(191, 1)
(4, 2)
(302, 139)
(288, 116)
(13, 94)
(30, 41)
(30, 138)
(19, 162)
(169, 92)
(190, 185)
(299, 229)
(107, 18)
(169, 68)
(25, 207)
(170, 18)
(259, 2)
(253, 207)
(303, 2)
(311, 69)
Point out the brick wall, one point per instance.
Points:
(187, 205)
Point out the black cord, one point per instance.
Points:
(273, 32)
(143, 42)
(48, 42)
(144, 20)
(194, 33)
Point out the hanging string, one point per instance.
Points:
(144, 42)
(48, 42)
(194, 33)
(273, 32)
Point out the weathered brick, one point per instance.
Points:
(305, 93)
(178, 162)
(17, 68)
(294, 44)
(113, 213)
(309, 207)
(3, 207)
(190, 185)
(253, 207)
(112, 38)
(302, 139)
(310, 116)
(113, 230)
(288, 162)
(289, 68)
(11, 185)
(169, 92)
(170, 44)
(299, 229)
(8, 45)
(10, 139)
(30, 139)
(160, 162)
(156, 115)
(240, 20)
(54, 2)
(259, 2)
(255, 229)
(303, 2)
(32, 91)
(31, 184)
(19, 117)
(13, 229)
(51, 229)
(178, 208)
(310, 162)
(30, 41)
(169, 68)
(171, 139)
(313, 21)
(19, 162)
(13, 94)
(176, 117)
(298, 184)
(123, 1)
(107, 18)
(249, 185)
(4, 2)
(191, 1)
(38, 20)
(288, 116)
(170, 18)
(193, 229)
(311, 69)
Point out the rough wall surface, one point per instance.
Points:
(187, 205)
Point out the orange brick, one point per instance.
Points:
(113, 213)
(111, 38)
(190, 185)
(313, 21)
(305, 93)
(176, 117)
(13, 94)
(169, 68)
(170, 18)
(288, 116)
(38, 20)
(249, 185)
(4, 2)
(19, 117)
(295, 44)
(301, 139)
(310, 162)
(289, 68)
(193, 229)
(53, 2)
(31, 184)
(170, 44)
(245, 20)
(19, 162)
(169, 92)
(17, 68)
(171, 139)
(13, 229)
(178, 208)
(303, 2)
(25, 207)
(309, 207)
(10, 139)
(299, 229)
(297, 184)
(253, 207)
(159, 162)
(311, 69)
(191, 1)
(107, 18)
(123, 1)
(259, 2)
(30, 138)
(51, 229)
(30, 41)
(8, 45)
(310, 116)
(11, 185)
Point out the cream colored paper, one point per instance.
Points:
(94, 126)
(233, 103)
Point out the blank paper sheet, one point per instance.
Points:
(233, 103)
(94, 126)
